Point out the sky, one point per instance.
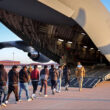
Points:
(19, 55)
(106, 4)
(7, 53)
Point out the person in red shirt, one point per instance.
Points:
(35, 79)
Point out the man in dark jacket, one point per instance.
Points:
(35, 79)
(13, 76)
(53, 73)
(3, 81)
(24, 79)
(67, 74)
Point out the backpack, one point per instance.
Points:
(43, 75)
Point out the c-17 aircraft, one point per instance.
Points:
(78, 29)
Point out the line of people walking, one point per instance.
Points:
(21, 80)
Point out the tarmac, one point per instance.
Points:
(97, 98)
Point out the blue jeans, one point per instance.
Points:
(25, 87)
(59, 84)
(3, 90)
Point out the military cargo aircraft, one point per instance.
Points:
(78, 29)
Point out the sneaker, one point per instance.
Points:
(53, 92)
(80, 89)
(3, 104)
(40, 93)
(20, 100)
(29, 100)
(33, 96)
(66, 89)
(58, 91)
(46, 95)
(6, 102)
(16, 102)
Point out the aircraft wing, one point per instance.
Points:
(32, 53)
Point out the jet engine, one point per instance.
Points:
(34, 56)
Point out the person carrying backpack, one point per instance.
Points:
(53, 73)
(44, 74)
(59, 81)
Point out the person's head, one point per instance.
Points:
(45, 67)
(1, 66)
(62, 56)
(79, 63)
(30, 68)
(55, 70)
(65, 67)
(14, 67)
(60, 67)
(35, 66)
(25, 68)
(52, 66)
(68, 66)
